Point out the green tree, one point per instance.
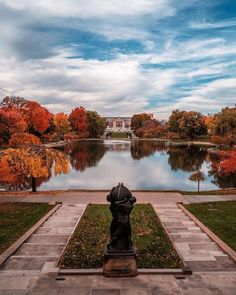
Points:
(192, 124)
(96, 124)
(224, 123)
(173, 122)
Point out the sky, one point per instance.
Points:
(120, 57)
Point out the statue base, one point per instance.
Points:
(120, 264)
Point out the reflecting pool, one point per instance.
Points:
(144, 164)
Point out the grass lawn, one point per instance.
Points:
(220, 217)
(17, 218)
(87, 246)
(214, 192)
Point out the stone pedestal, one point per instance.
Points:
(122, 264)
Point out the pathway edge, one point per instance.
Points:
(211, 235)
(12, 249)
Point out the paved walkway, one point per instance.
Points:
(100, 197)
(192, 244)
(40, 252)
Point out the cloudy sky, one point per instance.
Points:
(120, 57)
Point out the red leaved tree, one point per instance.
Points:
(78, 121)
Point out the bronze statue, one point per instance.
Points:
(121, 206)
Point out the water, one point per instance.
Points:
(138, 164)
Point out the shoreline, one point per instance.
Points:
(230, 191)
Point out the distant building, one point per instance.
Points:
(118, 124)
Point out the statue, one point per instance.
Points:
(121, 206)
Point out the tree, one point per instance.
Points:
(173, 122)
(38, 118)
(137, 121)
(11, 121)
(227, 163)
(32, 161)
(209, 122)
(96, 124)
(23, 139)
(197, 176)
(224, 123)
(192, 124)
(78, 121)
(61, 123)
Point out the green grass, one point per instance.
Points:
(17, 218)
(213, 192)
(119, 135)
(87, 246)
(220, 217)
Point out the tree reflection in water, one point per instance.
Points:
(158, 157)
(186, 159)
(24, 183)
(145, 148)
(86, 154)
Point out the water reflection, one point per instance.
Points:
(85, 154)
(186, 159)
(141, 149)
(139, 164)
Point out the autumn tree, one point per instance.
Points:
(11, 121)
(61, 123)
(96, 124)
(23, 139)
(226, 164)
(209, 122)
(138, 120)
(224, 122)
(38, 118)
(31, 161)
(173, 122)
(197, 176)
(78, 121)
(192, 124)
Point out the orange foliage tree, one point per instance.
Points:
(11, 121)
(32, 161)
(22, 139)
(78, 121)
(38, 118)
(61, 123)
(197, 176)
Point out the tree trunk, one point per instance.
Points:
(198, 185)
(33, 182)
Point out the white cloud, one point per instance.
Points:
(95, 8)
(216, 25)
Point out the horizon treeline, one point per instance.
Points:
(25, 121)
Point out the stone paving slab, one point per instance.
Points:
(194, 246)
(200, 284)
(50, 238)
(43, 248)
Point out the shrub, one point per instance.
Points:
(173, 136)
(22, 139)
(222, 140)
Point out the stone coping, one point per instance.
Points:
(231, 253)
(99, 271)
(12, 249)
